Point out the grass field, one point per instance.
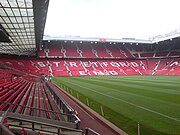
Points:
(151, 101)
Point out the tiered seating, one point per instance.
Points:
(147, 55)
(174, 53)
(173, 67)
(71, 50)
(161, 54)
(101, 51)
(41, 53)
(74, 49)
(54, 51)
(151, 64)
(76, 67)
(115, 51)
(86, 50)
(5, 75)
(21, 96)
(126, 52)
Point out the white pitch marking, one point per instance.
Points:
(166, 116)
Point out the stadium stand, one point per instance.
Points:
(32, 100)
(29, 102)
(76, 67)
(66, 49)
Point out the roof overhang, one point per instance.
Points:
(22, 24)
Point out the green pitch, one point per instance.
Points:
(151, 101)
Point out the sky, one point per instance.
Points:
(114, 19)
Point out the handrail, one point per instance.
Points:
(34, 108)
(38, 121)
(70, 117)
(90, 131)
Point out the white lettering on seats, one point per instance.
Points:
(94, 64)
(41, 64)
(176, 63)
(134, 64)
(114, 64)
(123, 64)
(113, 72)
(86, 64)
(82, 73)
(56, 63)
(98, 73)
(73, 64)
(104, 64)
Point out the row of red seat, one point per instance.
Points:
(107, 50)
(74, 67)
(26, 97)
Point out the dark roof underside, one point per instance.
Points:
(22, 25)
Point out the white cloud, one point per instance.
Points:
(112, 18)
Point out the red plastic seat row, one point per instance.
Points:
(19, 97)
(4, 91)
(3, 84)
(39, 103)
(52, 107)
(32, 100)
(8, 85)
(21, 109)
(3, 106)
(45, 104)
(2, 98)
(17, 83)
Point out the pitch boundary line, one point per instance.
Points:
(166, 116)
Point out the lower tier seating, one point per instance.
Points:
(27, 97)
(84, 67)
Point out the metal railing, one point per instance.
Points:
(34, 124)
(65, 117)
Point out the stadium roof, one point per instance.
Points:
(22, 25)
(143, 21)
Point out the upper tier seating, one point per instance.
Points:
(69, 49)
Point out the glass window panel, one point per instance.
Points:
(29, 3)
(10, 26)
(21, 3)
(13, 19)
(4, 3)
(23, 12)
(21, 25)
(6, 19)
(29, 36)
(30, 12)
(18, 30)
(13, 3)
(16, 25)
(9, 11)
(25, 19)
(4, 25)
(28, 33)
(1, 20)
(31, 24)
(32, 29)
(20, 34)
(19, 19)
(27, 26)
(13, 30)
(23, 31)
(2, 12)
(31, 19)
(26, 37)
(16, 12)
(33, 37)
